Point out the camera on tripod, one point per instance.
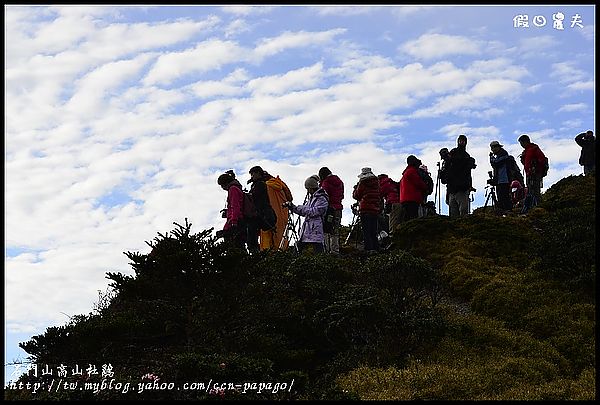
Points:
(354, 208)
(491, 181)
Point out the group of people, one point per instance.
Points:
(258, 218)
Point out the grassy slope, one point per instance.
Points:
(529, 331)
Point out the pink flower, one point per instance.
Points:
(151, 377)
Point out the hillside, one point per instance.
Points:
(483, 307)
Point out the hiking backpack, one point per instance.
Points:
(545, 167)
(427, 179)
(248, 209)
(513, 171)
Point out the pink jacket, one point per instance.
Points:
(235, 201)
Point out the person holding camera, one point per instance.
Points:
(587, 159)
(312, 236)
(367, 193)
(499, 158)
(234, 231)
(390, 193)
(459, 182)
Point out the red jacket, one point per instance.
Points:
(532, 157)
(334, 187)
(367, 192)
(388, 190)
(235, 201)
(412, 186)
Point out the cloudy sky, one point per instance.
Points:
(118, 120)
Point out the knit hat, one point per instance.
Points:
(462, 136)
(524, 138)
(324, 172)
(312, 182)
(365, 172)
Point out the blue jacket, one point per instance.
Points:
(314, 211)
(498, 162)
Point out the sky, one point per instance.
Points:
(119, 119)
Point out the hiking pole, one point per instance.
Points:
(437, 197)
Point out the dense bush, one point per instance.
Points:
(197, 310)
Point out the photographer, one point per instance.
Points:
(458, 178)
(367, 193)
(334, 187)
(312, 235)
(499, 158)
(587, 158)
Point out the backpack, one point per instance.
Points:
(545, 167)
(427, 179)
(328, 220)
(248, 209)
(513, 171)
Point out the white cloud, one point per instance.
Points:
(579, 86)
(567, 72)
(299, 79)
(341, 11)
(535, 45)
(236, 27)
(475, 98)
(247, 10)
(207, 55)
(573, 107)
(433, 46)
(290, 40)
(588, 31)
(403, 12)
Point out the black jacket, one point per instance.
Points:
(266, 215)
(588, 149)
(458, 170)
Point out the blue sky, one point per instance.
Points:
(120, 119)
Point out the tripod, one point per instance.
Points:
(490, 193)
(354, 224)
(437, 198)
(291, 231)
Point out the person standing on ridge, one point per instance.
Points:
(459, 181)
(499, 159)
(587, 159)
(412, 188)
(367, 193)
(334, 187)
(312, 236)
(533, 160)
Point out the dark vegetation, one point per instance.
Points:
(483, 307)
